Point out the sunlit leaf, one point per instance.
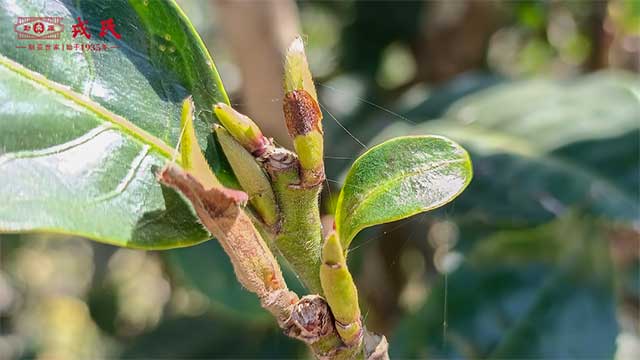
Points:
(82, 132)
(400, 178)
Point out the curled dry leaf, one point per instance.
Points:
(219, 210)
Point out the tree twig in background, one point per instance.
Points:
(258, 33)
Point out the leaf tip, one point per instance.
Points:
(241, 127)
(332, 252)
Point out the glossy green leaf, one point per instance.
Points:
(400, 178)
(81, 133)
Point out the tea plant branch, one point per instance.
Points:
(391, 181)
(220, 210)
(296, 229)
(77, 151)
(340, 291)
(299, 236)
(283, 189)
(296, 178)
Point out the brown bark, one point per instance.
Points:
(308, 319)
(454, 37)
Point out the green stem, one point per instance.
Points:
(300, 234)
(340, 292)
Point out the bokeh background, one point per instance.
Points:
(539, 258)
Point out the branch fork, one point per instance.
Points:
(283, 189)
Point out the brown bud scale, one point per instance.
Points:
(312, 319)
(301, 112)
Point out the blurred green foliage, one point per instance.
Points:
(544, 292)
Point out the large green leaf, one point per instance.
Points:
(545, 292)
(82, 132)
(400, 178)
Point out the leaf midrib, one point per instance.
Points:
(91, 106)
(392, 180)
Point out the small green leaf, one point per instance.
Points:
(251, 177)
(399, 178)
(242, 128)
(193, 159)
(296, 70)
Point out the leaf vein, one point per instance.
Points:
(384, 186)
(128, 178)
(55, 149)
(90, 105)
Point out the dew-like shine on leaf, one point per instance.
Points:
(399, 178)
(82, 133)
